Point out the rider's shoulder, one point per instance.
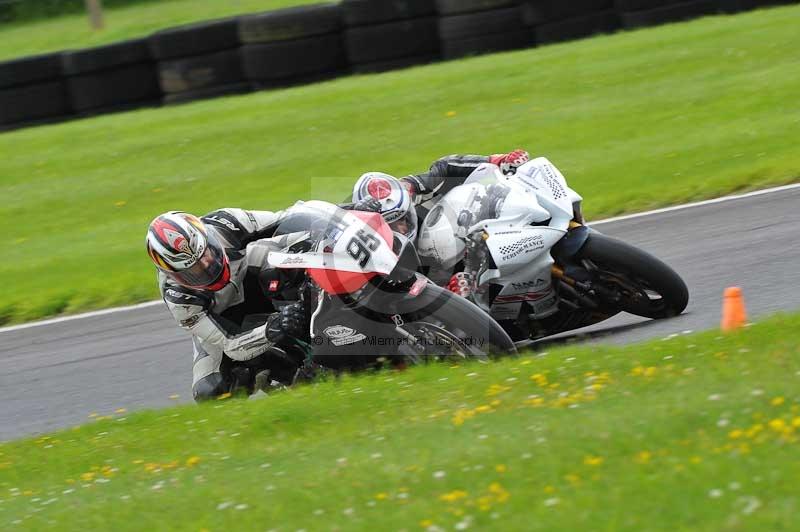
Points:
(175, 294)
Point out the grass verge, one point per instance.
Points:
(126, 22)
(634, 120)
(696, 432)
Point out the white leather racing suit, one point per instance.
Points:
(215, 319)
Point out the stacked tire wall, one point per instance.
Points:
(382, 36)
(309, 43)
(292, 46)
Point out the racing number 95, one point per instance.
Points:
(361, 247)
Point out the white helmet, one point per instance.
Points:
(397, 206)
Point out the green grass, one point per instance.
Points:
(699, 432)
(73, 31)
(634, 120)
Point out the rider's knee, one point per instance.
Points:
(209, 387)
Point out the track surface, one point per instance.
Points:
(56, 375)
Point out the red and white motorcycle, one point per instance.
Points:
(365, 297)
(528, 259)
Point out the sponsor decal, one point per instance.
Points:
(517, 232)
(191, 321)
(525, 245)
(178, 295)
(517, 298)
(529, 284)
(293, 260)
(273, 286)
(222, 221)
(341, 335)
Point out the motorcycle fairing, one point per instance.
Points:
(348, 252)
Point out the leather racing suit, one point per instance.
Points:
(230, 322)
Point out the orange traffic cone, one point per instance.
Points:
(734, 315)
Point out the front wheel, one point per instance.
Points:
(632, 280)
(449, 326)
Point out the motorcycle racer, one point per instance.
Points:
(405, 202)
(211, 277)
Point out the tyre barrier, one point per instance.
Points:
(666, 12)
(382, 35)
(118, 76)
(479, 32)
(32, 90)
(307, 44)
(196, 61)
(290, 46)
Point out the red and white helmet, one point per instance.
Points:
(181, 246)
(397, 206)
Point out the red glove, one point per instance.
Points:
(461, 284)
(509, 162)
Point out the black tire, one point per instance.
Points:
(394, 64)
(577, 28)
(207, 93)
(737, 6)
(126, 84)
(26, 70)
(476, 24)
(461, 319)
(455, 7)
(483, 44)
(104, 57)
(119, 108)
(365, 12)
(643, 270)
(541, 11)
(289, 59)
(192, 73)
(290, 23)
(369, 44)
(639, 5)
(194, 39)
(666, 14)
(33, 102)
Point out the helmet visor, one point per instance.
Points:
(206, 270)
(407, 225)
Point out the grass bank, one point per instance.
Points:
(634, 120)
(696, 432)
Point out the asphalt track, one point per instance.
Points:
(56, 375)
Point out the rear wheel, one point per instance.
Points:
(632, 280)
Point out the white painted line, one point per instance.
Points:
(697, 204)
(598, 222)
(81, 316)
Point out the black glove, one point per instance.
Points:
(286, 324)
(368, 205)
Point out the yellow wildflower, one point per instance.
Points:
(453, 496)
(496, 389)
(695, 459)
(500, 468)
(643, 457)
(192, 461)
(735, 434)
(777, 401)
(539, 379)
(592, 460)
(777, 424)
(426, 523)
(381, 496)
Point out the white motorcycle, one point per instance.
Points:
(521, 243)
